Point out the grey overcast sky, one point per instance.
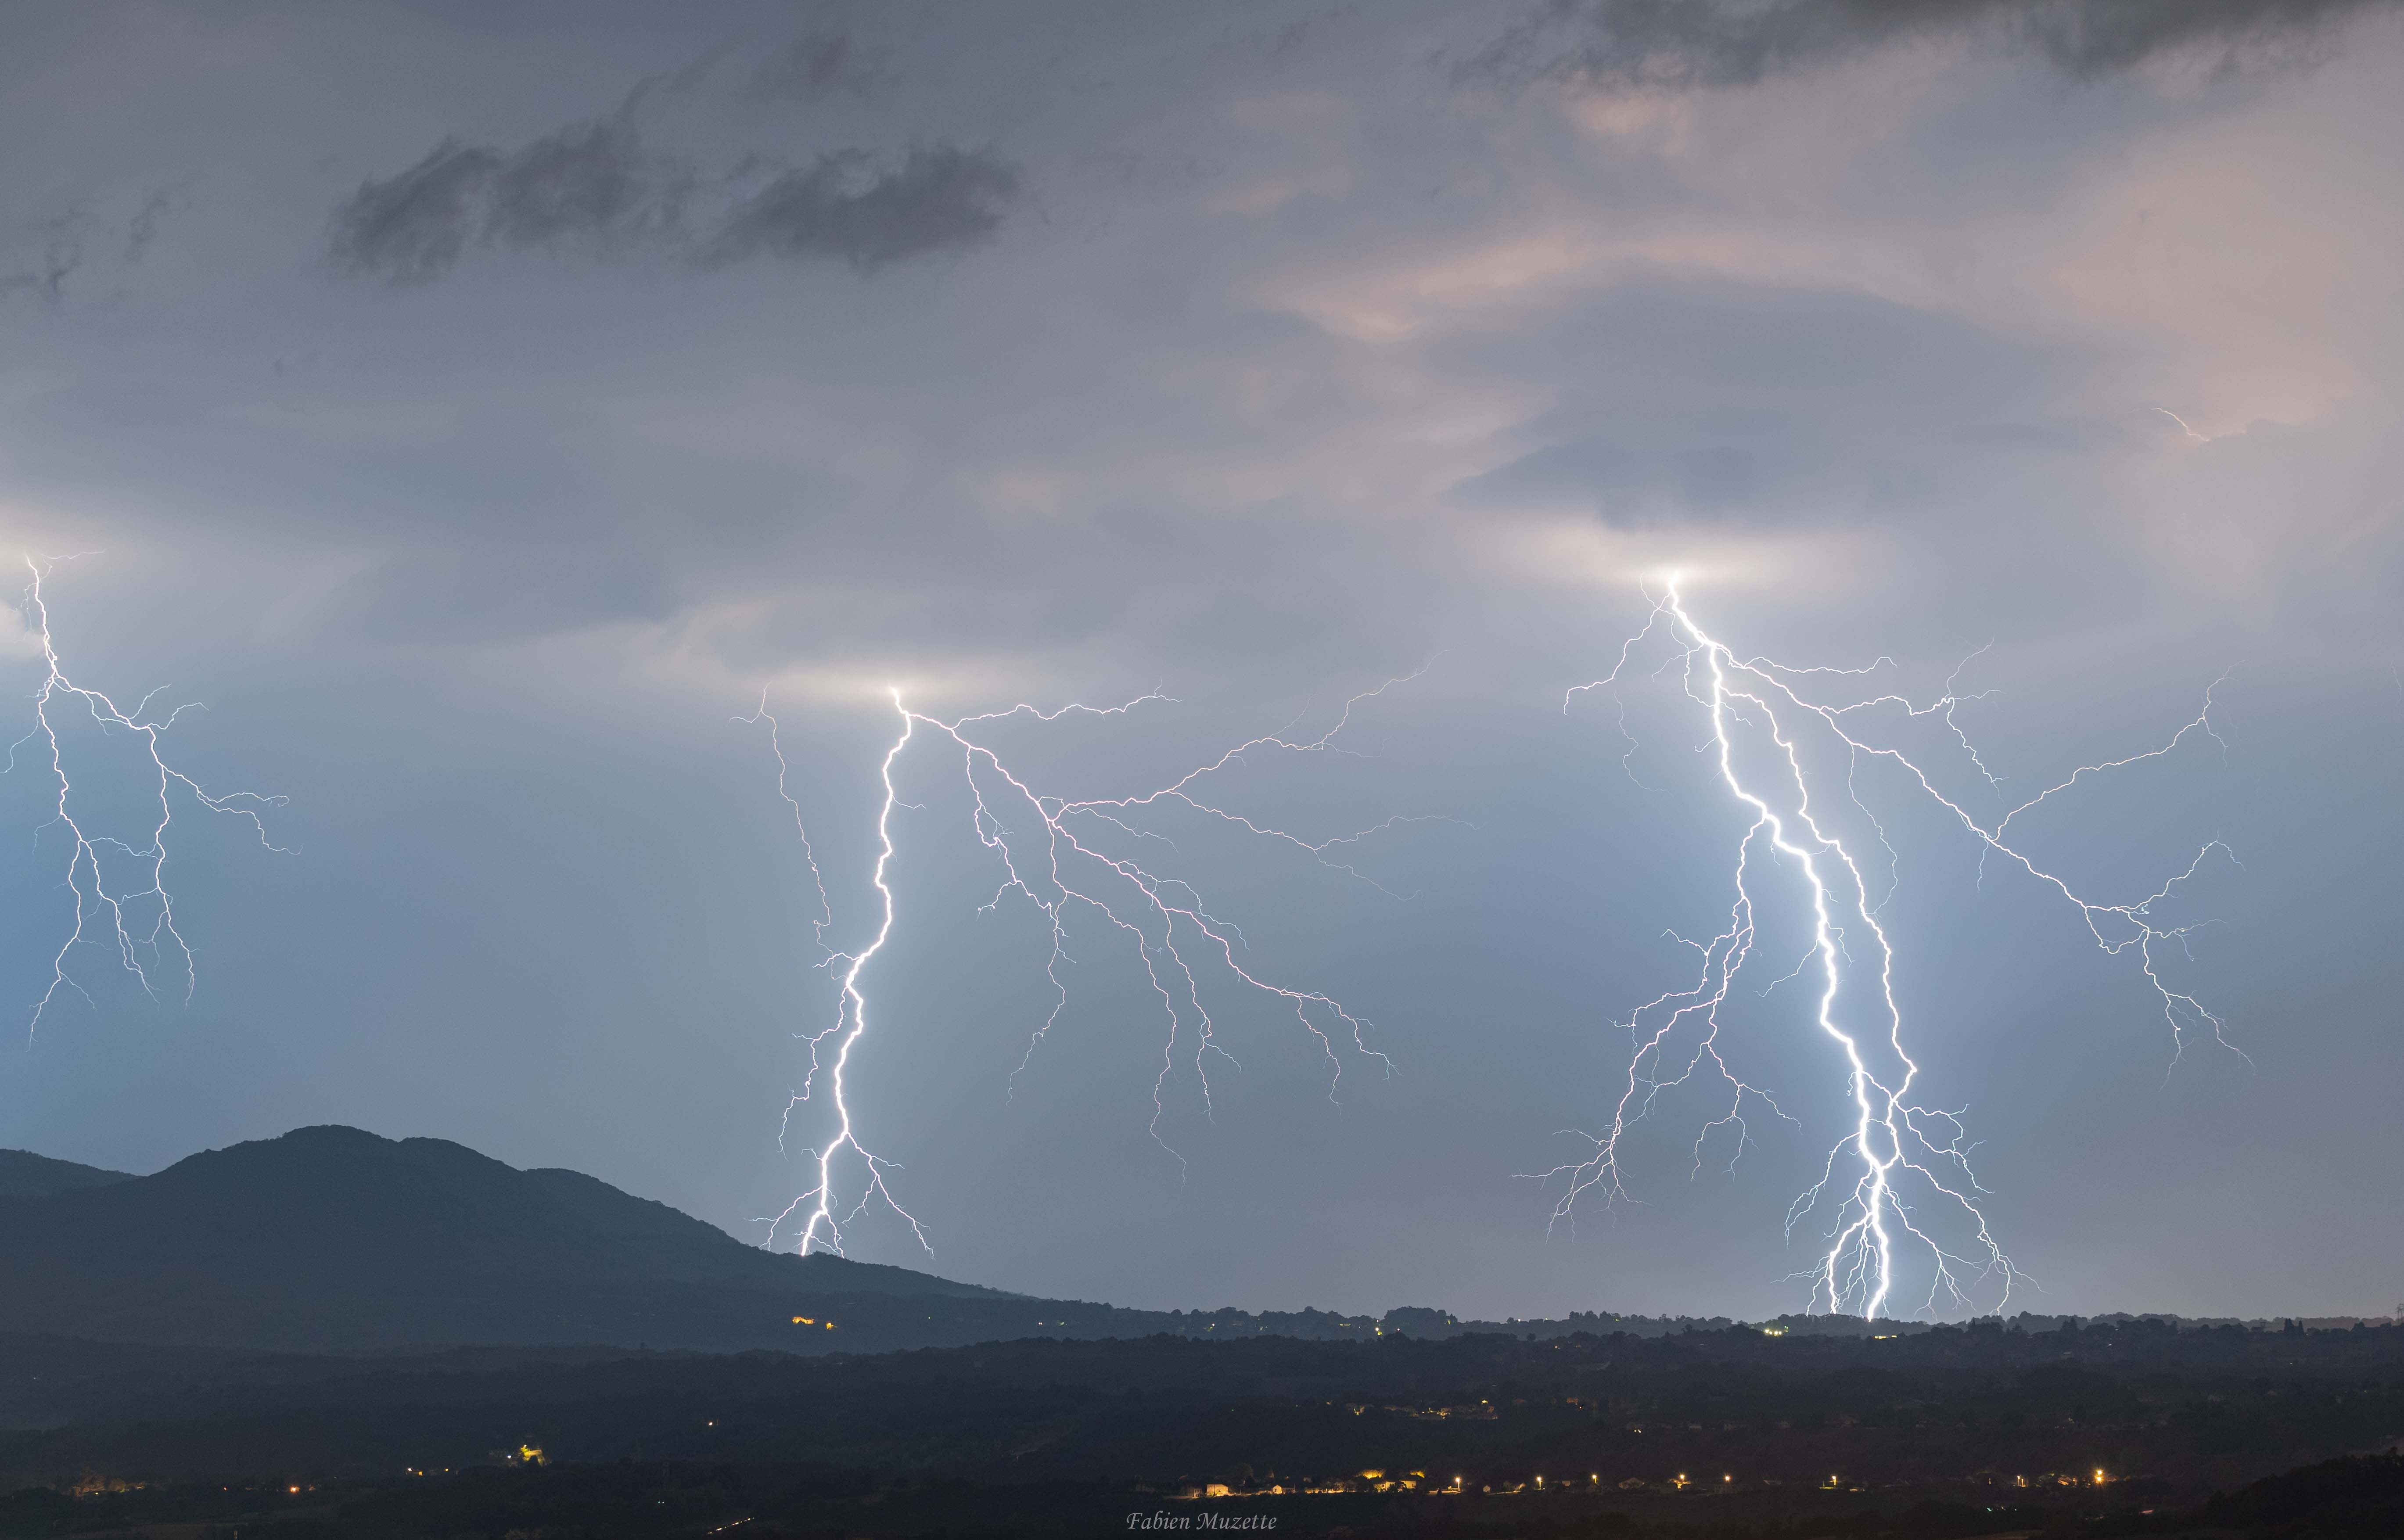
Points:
(477, 407)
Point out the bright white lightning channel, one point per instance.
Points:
(119, 886)
(1070, 858)
(1900, 1177)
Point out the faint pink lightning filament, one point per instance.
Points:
(84, 859)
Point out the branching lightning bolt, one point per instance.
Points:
(1899, 1160)
(1069, 857)
(138, 909)
(819, 1226)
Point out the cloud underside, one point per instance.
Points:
(597, 191)
(1683, 44)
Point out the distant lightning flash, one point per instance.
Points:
(1899, 1161)
(140, 912)
(1066, 856)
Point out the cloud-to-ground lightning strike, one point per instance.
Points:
(140, 912)
(1067, 857)
(1900, 1177)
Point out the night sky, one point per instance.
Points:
(478, 408)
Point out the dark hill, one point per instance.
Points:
(333, 1239)
(25, 1174)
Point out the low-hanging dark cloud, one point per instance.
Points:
(1684, 43)
(597, 191)
(939, 199)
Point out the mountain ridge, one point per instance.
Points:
(330, 1239)
(25, 1174)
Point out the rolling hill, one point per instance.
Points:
(330, 1240)
(25, 1174)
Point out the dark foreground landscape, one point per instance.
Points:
(406, 1340)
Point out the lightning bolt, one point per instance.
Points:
(1900, 1164)
(119, 886)
(1070, 858)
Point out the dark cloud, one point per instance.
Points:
(598, 190)
(1698, 43)
(2101, 36)
(411, 228)
(592, 185)
(937, 200)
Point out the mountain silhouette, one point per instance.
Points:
(332, 1240)
(25, 1174)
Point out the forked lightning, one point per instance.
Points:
(121, 883)
(1067, 858)
(1900, 1177)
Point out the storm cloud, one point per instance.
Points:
(596, 190)
(1683, 44)
(1316, 365)
(937, 200)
